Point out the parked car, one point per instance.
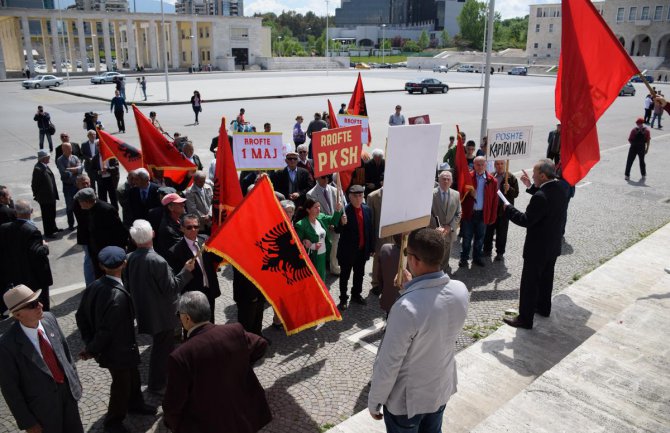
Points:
(426, 85)
(440, 68)
(362, 66)
(637, 79)
(384, 66)
(469, 68)
(106, 77)
(628, 89)
(42, 81)
(518, 70)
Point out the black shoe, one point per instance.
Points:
(479, 262)
(359, 300)
(499, 258)
(463, 263)
(516, 323)
(542, 313)
(70, 228)
(342, 306)
(376, 291)
(143, 409)
(116, 428)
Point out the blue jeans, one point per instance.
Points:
(474, 227)
(89, 273)
(44, 133)
(421, 423)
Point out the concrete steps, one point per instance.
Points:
(599, 363)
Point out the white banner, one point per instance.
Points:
(351, 120)
(258, 150)
(509, 143)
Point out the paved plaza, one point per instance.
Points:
(318, 378)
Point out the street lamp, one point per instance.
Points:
(165, 56)
(279, 45)
(383, 41)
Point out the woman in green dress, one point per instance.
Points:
(312, 228)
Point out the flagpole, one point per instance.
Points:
(646, 83)
(487, 76)
(400, 275)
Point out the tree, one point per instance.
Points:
(411, 46)
(423, 40)
(387, 44)
(472, 21)
(444, 39)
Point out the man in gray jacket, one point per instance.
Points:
(414, 374)
(154, 289)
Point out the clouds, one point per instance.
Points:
(518, 8)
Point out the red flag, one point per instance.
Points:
(463, 178)
(227, 189)
(159, 153)
(593, 68)
(346, 175)
(357, 104)
(112, 147)
(266, 249)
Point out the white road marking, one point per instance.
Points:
(581, 184)
(66, 289)
(356, 338)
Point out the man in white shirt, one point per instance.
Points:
(414, 374)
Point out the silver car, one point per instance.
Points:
(42, 81)
(628, 89)
(106, 77)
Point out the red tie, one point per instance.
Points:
(50, 358)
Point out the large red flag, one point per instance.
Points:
(593, 68)
(259, 240)
(227, 189)
(463, 178)
(346, 175)
(357, 105)
(159, 153)
(112, 147)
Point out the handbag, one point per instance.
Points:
(51, 129)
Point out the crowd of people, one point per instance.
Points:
(143, 263)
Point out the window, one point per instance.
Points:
(551, 28)
(645, 13)
(619, 14)
(632, 14)
(539, 12)
(535, 45)
(239, 33)
(208, 56)
(183, 35)
(549, 45)
(206, 32)
(183, 55)
(658, 13)
(200, 33)
(537, 28)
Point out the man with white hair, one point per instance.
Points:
(374, 171)
(305, 162)
(199, 200)
(143, 196)
(154, 289)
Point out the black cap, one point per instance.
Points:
(111, 257)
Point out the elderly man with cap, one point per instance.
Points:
(356, 245)
(104, 226)
(293, 182)
(156, 214)
(45, 193)
(169, 230)
(39, 380)
(639, 140)
(24, 256)
(106, 320)
(154, 289)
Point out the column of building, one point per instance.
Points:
(195, 55)
(81, 33)
(45, 45)
(95, 44)
(174, 44)
(55, 45)
(27, 43)
(153, 51)
(107, 44)
(130, 36)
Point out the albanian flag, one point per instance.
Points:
(592, 69)
(357, 104)
(463, 178)
(227, 190)
(159, 153)
(112, 147)
(260, 242)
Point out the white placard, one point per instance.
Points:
(409, 177)
(509, 143)
(258, 150)
(351, 120)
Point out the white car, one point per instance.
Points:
(107, 77)
(440, 68)
(42, 81)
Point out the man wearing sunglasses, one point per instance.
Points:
(414, 374)
(293, 181)
(39, 380)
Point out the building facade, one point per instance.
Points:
(129, 41)
(101, 5)
(228, 8)
(642, 27)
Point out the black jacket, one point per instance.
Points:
(168, 234)
(105, 229)
(180, 253)
(24, 259)
(374, 174)
(44, 184)
(105, 318)
(140, 209)
(280, 180)
(244, 291)
(7, 213)
(348, 243)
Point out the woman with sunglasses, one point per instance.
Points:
(312, 229)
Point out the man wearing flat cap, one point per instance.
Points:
(105, 318)
(169, 231)
(39, 380)
(45, 192)
(356, 245)
(293, 181)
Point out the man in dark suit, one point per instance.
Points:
(543, 220)
(105, 318)
(7, 211)
(39, 380)
(154, 289)
(45, 193)
(65, 138)
(142, 197)
(90, 154)
(169, 231)
(355, 247)
(104, 226)
(374, 171)
(204, 274)
(188, 152)
(24, 256)
(293, 182)
(211, 381)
